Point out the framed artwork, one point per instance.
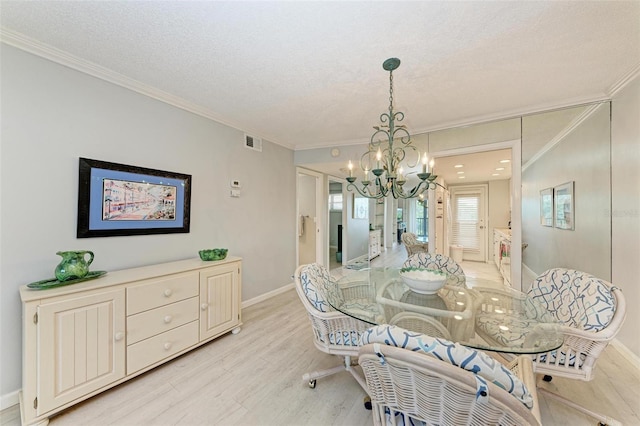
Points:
(116, 200)
(360, 207)
(564, 206)
(546, 207)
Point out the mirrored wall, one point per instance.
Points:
(566, 191)
(559, 193)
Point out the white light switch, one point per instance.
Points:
(235, 193)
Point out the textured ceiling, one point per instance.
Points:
(309, 74)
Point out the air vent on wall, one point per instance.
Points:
(252, 142)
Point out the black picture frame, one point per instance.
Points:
(119, 200)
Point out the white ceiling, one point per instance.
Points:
(309, 74)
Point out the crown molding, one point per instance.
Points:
(626, 78)
(35, 47)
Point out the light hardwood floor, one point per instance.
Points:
(255, 378)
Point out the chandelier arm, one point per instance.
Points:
(401, 134)
(361, 192)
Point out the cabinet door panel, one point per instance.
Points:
(82, 347)
(219, 299)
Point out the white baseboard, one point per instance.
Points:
(267, 295)
(626, 353)
(9, 400)
(527, 277)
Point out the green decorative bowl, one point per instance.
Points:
(213, 254)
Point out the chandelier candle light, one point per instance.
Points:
(389, 157)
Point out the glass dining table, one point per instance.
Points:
(497, 319)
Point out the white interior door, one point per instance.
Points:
(469, 220)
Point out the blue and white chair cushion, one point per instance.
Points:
(318, 286)
(485, 367)
(575, 298)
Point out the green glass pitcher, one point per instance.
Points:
(74, 265)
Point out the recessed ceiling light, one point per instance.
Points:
(457, 166)
(500, 168)
(461, 177)
(505, 161)
(495, 174)
(460, 173)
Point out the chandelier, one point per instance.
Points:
(383, 159)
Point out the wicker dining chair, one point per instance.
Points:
(333, 332)
(421, 324)
(412, 244)
(417, 379)
(591, 312)
(438, 262)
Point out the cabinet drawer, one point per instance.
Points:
(157, 348)
(162, 291)
(149, 323)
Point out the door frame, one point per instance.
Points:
(331, 178)
(516, 196)
(484, 190)
(321, 218)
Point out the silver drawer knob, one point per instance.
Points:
(167, 346)
(204, 306)
(168, 292)
(118, 336)
(167, 319)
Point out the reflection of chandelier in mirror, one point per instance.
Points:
(384, 160)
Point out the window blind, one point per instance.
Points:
(465, 221)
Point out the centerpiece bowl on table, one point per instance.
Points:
(423, 281)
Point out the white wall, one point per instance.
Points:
(51, 115)
(357, 231)
(625, 211)
(499, 209)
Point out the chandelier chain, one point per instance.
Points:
(390, 92)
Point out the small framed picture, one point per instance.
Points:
(564, 206)
(546, 207)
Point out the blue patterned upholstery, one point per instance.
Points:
(575, 298)
(319, 286)
(438, 262)
(471, 360)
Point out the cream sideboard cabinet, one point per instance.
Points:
(375, 241)
(82, 339)
(502, 253)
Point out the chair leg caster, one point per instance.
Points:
(547, 378)
(312, 384)
(367, 402)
